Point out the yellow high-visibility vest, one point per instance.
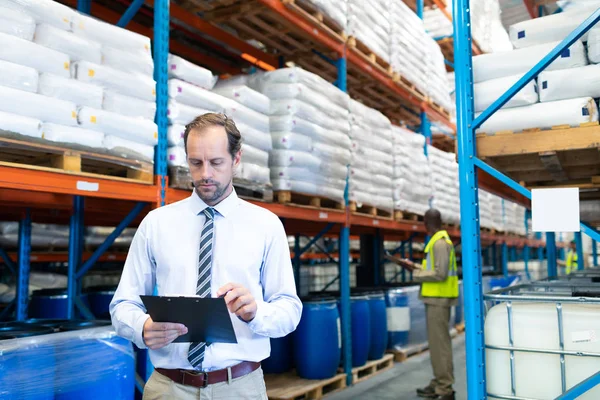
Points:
(571, 261)
(449, 287)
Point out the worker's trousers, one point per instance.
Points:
(440, 348)
(248, 387)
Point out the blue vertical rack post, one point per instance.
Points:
(551, 254)
(160, 48)
(594, 253)
(467, 158)
(24, 250)
(505, 259)
(580, 255)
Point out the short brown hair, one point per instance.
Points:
(213, 119)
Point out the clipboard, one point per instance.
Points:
(207, 319)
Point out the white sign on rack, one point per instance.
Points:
(555, 210)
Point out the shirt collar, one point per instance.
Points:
(225, 207)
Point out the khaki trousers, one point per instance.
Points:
(248, 387)
(440, 348)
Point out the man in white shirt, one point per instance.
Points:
(211, 244)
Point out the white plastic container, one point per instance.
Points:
(536, 326)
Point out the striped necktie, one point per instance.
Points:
(196, 351)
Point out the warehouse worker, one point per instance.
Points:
(572, 258)
(439, 292)
(211, 244)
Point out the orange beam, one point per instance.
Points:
(440, 4)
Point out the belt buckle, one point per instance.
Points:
(205, 376)
(194, 374)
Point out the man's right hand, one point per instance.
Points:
(160, 334)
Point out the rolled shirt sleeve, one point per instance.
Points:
(441, 257)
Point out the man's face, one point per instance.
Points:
(211, 165)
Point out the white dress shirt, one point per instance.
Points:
(250, 248)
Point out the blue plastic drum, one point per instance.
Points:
(398, 318)
(361, 329)
(281, 359)
(50, 304)
(99, 299)
(27, 365)
(379, 330)
(108, 363)
(317, 340)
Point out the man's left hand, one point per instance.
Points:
(239, 301)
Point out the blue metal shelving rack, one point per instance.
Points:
(469, 164)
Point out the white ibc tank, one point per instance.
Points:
(536, 326)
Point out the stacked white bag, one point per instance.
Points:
(412, 172)
(514, 218)
(486, 211)
(335, 9)
(371, 169)
(309, 130)
(368, 21)
(444, 176)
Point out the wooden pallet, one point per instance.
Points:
(371, 211)
(560, 156)
(460, 328)
(308, 200)
(401, 355)
(372, 368)
(427, 3)
(39, 154)
(406, 216)
(289, 386)
(369, 55)
(438, 107)
(407, 85)
(309, 11)
(198, 6)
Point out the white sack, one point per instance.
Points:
(135, 85)
(593, 46)
(293, 174)
(570, 83)
(294, 186)
(186, 71)
(543, 115)
(291, 141)
(128, 148)
(36, 106)
(176, 157)
(334, 170)
(290, 123)
(550, 28)
(175, 135)
(127, 61)
(43, 11)
(292, 158)
(307, 112)
(332, 153)
(380, 167)
(245, 96)
(331, 193)
(77, 48)
(252, 155)
(134, 129)
(110, 35)
(488, 92)
(80, 93)
(128, 106)
(254, 173)
(186, 93)
(19, 124)
(254, 137)
(242, 114)
(518, 62)
(16, 23)
(371, 116)
(182, 114)
(299, 91)
(359, 174)
(18, 77)
(24, 52)
(72, 135)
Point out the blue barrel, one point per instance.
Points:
(108, 363)
(317, 340)
(398, 318)
(50, 304)
(99, 299)
(281, 358)
(27, 366)
(379, 330)
(361, 329)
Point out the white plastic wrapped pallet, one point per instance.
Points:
(307, 112)
(487, 92)
(571, 112)
(128, 106)
(16, 23)
(301, 92)
(126, 61)
(175, 135)
(72, 135)
(36, 106)
(291, 141)
(502, 64)
(570, 83)
(188, 72)
(77, 48)
(254, 137)
(336, 10)
(24, 52)
(19, 124)
(80, 93)
(134, 129)
(18, 77)
(182, 114)
(43, 11)
(254, 173)
(293, 186)
(294, 124)
(245, 96)
(191, 95)
(176, 157)
(245, 115)
(550, 28)
(128, 148)
(293, 158)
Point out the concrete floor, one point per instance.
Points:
(401, 381)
